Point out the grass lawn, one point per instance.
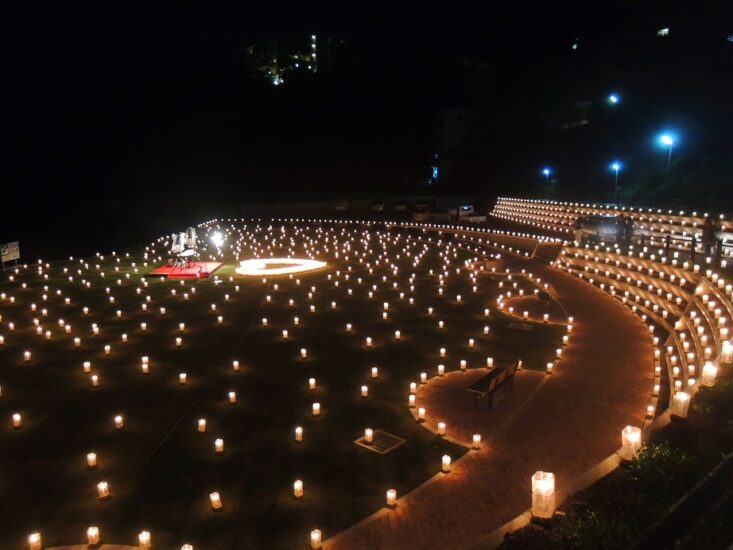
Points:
(159, 468)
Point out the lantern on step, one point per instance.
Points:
(681, 404)
(144, 540)
(630, 442)
(709, 372)
(92, 536)
(315, 539)
(543, 494)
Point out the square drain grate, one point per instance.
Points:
(382, 442)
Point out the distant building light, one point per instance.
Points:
(310, 67)
(729, 38)
(574, 46)
(663, 31)
(313, 37)
(613, 99)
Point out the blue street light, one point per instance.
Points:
(615, 166)
(547, 172)
(613, 99)
(668, 140)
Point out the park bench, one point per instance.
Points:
(486, 386)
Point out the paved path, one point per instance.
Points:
(569, 424)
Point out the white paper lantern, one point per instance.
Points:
(298, 434)
(630, 442)
(92, 535)
(215, 500)
(543, 494)
(298, 488)
(315, 539)
(476, 441)
(391, 497)
(144, 540)
(316, 408)
(681, 404)
(445, 464)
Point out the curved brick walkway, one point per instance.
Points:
(572, 422)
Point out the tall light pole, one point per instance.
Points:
(667, 140)
(615, 166)
(547, 172)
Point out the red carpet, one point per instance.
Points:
(194, 270)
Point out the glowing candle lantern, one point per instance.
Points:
(315, 539)
(470, 342)
(709, 372)
(489, 362)
(430, 311)
(215, 500)
(442, 352)
(298, 488)
(411, 400)
(445, 464)
(95, 380)
(726, 356)
(145, 368)
(681, 404)
(397, 334)
(143, 540)
(549, 368)
(543, 494)
(92, 460)
(218, 446)
(463, 364)
(264, 321)
(364, 391)
(476, 441)
(421, 413)
(375, 372)
(348, 327)
(35, 542)
(413, 387)
(368, 436)
(391, 497)
(182, 379)
(26, 356)
(17, 420)
(368, 341)
(303, 353)
(107, 349)
(441, 370)
(486, 330)
(87, 367)
(103, 490)
(232, 397)
(650, 411)
(441, 428)
(311, 383)
(119, 421)
(298, 434)
(202, 425)
(630, 442)
(235, 366)
(423, 377)
(92, 536)
(440, 324)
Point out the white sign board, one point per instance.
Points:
(9, 251)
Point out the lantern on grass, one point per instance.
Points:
(543, 494)
(368, 341)
(630, 442)
(709, 372)
(364, 391)
(423, 377)
(315, 539)
(201, 425)
(442, 352)
(311, 383)
(298, 434)
(144, 540)
(316, 409)
(445, 464)
(92, 535)
(375, 372)
(421, 414)
(35, 542)
(17, 420)
(26, 356)
(681, 404)
(215, 500)
(298, 488)
(476, 441)
(219, 445)
(107, 349)
(441, 428)
(103, 490)
(91, 460)
(264, 321)
(119, 421)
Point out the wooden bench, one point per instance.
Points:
(487, 385)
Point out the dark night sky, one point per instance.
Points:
(112, 111)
